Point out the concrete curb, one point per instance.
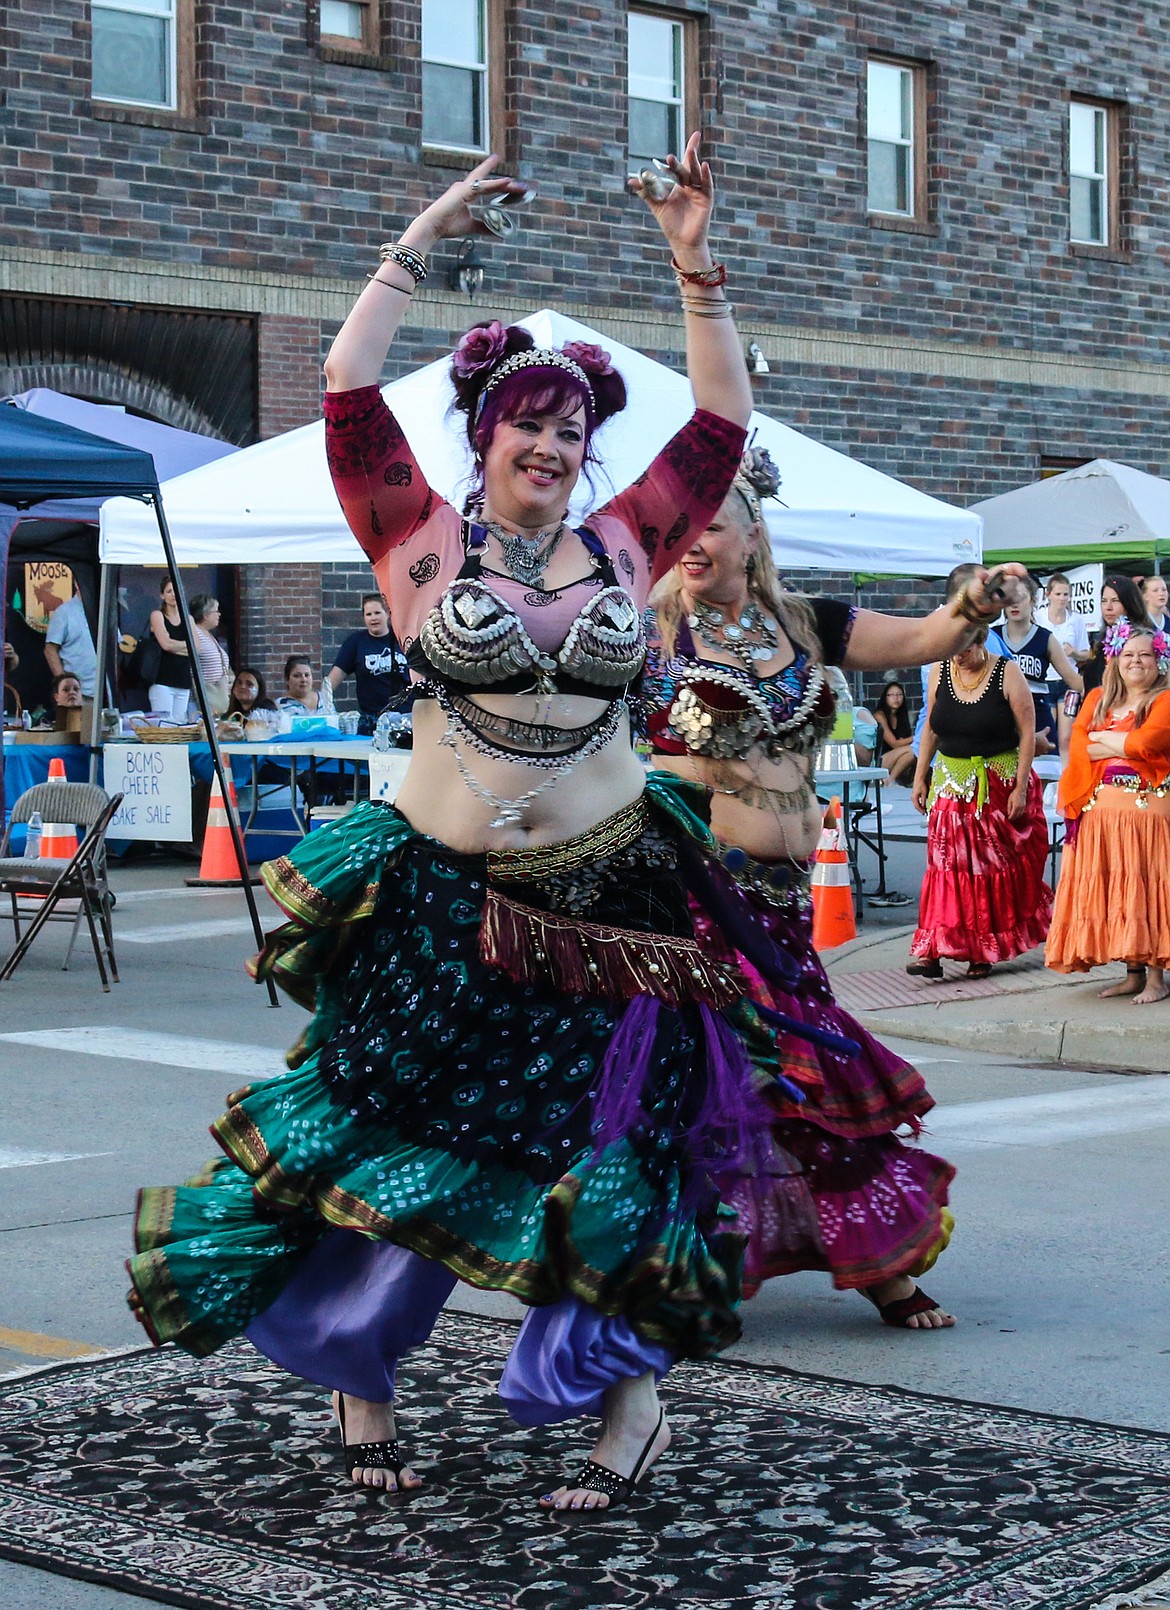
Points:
(1116, 1048)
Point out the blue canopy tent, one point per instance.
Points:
(41, 459)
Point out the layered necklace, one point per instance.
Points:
(961, 680)
(527, 557)
(754, 636)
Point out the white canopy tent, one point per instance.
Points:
(274, 503)
(1101, 512)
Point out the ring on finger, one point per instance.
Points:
(476, 186)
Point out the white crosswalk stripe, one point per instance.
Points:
(1117, 1108)
(168, 933)
(1051, 1119)
(168, 1050)
(13, 1157)
(134, 897)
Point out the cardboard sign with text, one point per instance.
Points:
(156, 782)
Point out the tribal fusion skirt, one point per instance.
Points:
(522, 1071)
(537, 1072)
(844, 1194)
(984, 898)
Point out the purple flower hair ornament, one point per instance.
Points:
(589, 356)
(1118, 635)
(479, 349)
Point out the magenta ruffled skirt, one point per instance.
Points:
(844, 1193)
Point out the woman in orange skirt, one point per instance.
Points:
(1113, 900)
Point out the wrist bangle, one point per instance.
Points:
(711, 278)
(964, 605)
(390, 285)
(707, 310)
(406, 257)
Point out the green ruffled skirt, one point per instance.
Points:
(436, 1103)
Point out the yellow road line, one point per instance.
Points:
(37, 1346)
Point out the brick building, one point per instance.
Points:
(944, 223)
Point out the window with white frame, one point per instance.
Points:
(455, 74)
(657, 87)
(895, 137)
(1089, 173)
(135, 52)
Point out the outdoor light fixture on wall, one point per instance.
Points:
(757, 364)
(466, 272)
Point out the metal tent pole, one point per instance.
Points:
(105, 614)
(212, 737)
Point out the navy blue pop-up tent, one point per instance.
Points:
(41, 459)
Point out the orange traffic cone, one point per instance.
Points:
(219, 865)
(58, 839)
(832, 895)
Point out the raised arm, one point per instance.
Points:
(889, 642)
(715, 361)
(359, 350)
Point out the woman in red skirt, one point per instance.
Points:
(984, 898)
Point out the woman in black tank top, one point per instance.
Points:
(984, 898)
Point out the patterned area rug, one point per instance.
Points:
(216, 1484)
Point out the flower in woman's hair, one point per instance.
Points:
(758, 468)
(479, 349)
(1115, 638)
(1121, 631)
(589, 356)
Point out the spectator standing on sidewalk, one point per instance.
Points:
(1072, 633)
(170, 686)
(1156, 598)
(69, 643)
(1038, 652)
(214, 665)
(984, 898)
(377, 664)
(1120, 601)
(1113, 902)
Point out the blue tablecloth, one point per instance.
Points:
(27, 764)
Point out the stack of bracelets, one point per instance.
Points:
(707, 279)
(406, 257)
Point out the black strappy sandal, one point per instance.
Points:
(897, 1313)
(369, 1455)
(595, 1478)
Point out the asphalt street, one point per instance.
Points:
(1056, 1272)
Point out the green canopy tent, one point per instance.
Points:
(1100, 513)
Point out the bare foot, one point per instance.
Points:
(634, 1433)
(901, 1287)
(1156, 988)
(373, 1422)
(1133, 982)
